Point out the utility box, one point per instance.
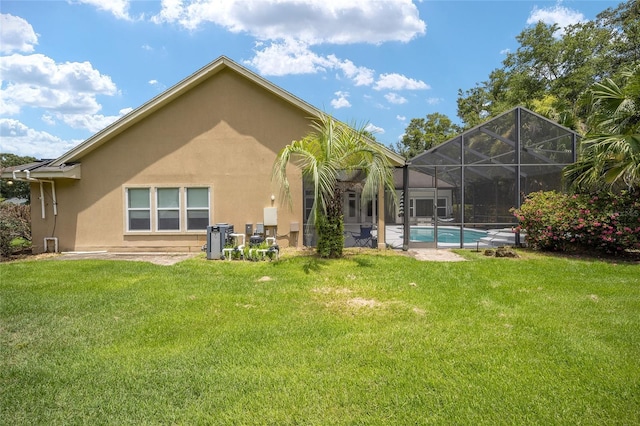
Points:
(248, 229)
(270, 216)
(215, 242)
(217, 236)
(226, 230)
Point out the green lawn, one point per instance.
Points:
(369, 339)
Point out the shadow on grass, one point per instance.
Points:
(313, 264)
(630, 257)
(363, 261)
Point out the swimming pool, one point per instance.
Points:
(446, 234)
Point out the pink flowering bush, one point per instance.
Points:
(561, 222)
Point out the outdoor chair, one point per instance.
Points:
(364, 238)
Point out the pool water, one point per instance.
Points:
(446, 234)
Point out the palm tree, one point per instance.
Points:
(611, 150)
(329, 153)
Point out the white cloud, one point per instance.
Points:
(341, 101)
(21, 140)
(38, 81)
(401, 118)
(311, 21)
(361, 76)
(294, 57)
(374, 129)
(119, 8)
(147, 47)
(394, 98)
(48, 118)
(157, 85)
(289, 57)
(555, 15)
(17, 35)
(171, 11)
(395, 81)
(434, 101)
(92, 122)
(293, 27)
(505, 51)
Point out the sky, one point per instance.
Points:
(69, 68)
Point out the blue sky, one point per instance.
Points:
(70, 68)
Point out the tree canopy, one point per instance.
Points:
(553, 68)
(610, 152)
(425, 133)
(10, 189)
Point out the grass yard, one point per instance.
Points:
(369, 339)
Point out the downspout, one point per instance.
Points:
(28, 178)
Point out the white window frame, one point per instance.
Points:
(130, 209)
(154, 209)
(438, 208)
(187, 209)
(442, 211)
(159, 209)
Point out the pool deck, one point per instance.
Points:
(394, 238)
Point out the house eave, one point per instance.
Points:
(45, 172)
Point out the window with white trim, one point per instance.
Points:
(138, 209)
(442, 207)
(197, 208)
(167, 209)
(423, 207)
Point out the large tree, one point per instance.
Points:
(330, 154)
(610, 152)
(425, 133)
(552, 68)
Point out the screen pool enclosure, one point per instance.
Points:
(459, 193)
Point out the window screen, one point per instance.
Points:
(168, 209)
(197, 208)
(138, 209)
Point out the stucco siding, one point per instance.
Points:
(223, 134)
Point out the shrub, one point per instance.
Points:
(15, 223)
(602, 221)
(330, 236)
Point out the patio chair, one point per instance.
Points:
(364, 237)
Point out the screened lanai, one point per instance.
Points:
(459, 193)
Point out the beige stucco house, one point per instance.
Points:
(198, 154)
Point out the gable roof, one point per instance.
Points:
(177, 90)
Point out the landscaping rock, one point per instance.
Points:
(506, 252)
(501, 252)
